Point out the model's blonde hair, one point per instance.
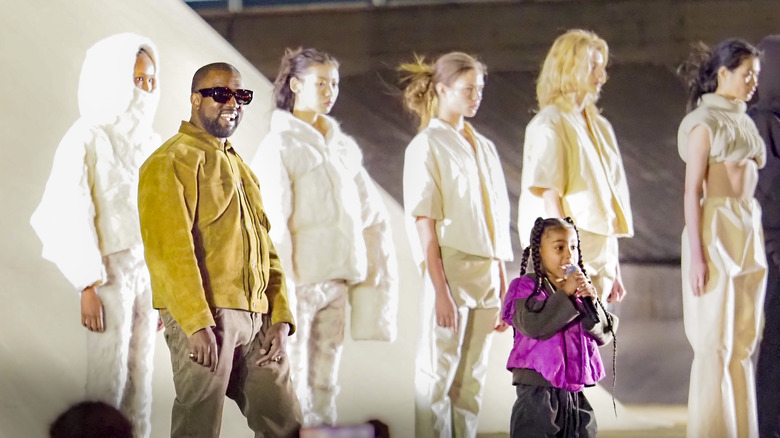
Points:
(419, 80)
(566, 70)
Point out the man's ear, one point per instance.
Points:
(196, 99)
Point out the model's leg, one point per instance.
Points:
(768, 368)
(137, 399)
(309, 300)
(107, 352)
(600, 255)
(438, 355)
(200, 393)
(265, 394)
(749, 289)
(466, 390)
(709, 326)
(325, 345)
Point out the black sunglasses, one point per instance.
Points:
(223, 95)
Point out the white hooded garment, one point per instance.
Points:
(89, 207)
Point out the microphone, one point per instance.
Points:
(587, 305)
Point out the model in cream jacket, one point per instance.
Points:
(331, 229)
(585, 168)
(88, 221)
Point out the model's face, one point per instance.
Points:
(558, 250)
(144, 73)
(218, 119)
(464, 95)
(317, 89)
(740, 83)
(598, 72)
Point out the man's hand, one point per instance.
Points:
(203, 348)
(274, 344)
(92, 310)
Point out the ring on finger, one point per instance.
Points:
(193, 356)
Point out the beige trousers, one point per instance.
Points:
(264, 394)
(600, 256)
(723, 324)
(315, 349)
(451, 367)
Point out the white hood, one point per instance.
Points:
(106, 86)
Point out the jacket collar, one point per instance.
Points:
(285, 121)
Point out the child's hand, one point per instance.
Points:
(587, 290)
(574, 283)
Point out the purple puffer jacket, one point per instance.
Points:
(569, 359)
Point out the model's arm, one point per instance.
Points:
(446, 310)
(552, 203)
(695, 177)
(501, 326)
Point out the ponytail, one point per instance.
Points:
(419, 80)
(419, 94)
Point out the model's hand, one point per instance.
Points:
(446, 311)
(160, 323)
(203, 348)
(274, 344)
(699, 276)
(92, 310)
(500, 325)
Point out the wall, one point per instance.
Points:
(507, 35)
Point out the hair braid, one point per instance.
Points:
(610, 322)
(536, 239)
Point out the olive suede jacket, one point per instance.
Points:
(205, 233)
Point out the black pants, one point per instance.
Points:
(768, 369)
(544, 412)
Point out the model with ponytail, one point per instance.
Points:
(723, 259)
(330, 226)
(455, 198)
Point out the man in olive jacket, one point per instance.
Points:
(215, 274)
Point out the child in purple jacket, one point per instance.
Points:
(559, 323)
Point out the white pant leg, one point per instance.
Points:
(600, 257)
(466, 391)
(325, 346)
(119, 360)
(137, 400)
(316, 349)
(722, 325)
(451, 366)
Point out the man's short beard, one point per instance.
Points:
(214, 128)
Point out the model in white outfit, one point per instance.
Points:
(723, 260)
(330, 227)
(88, 220)
(457, 207)
(572, 165)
